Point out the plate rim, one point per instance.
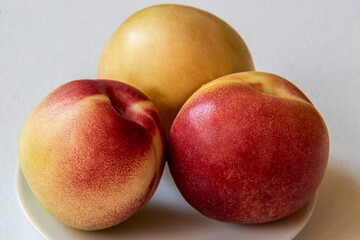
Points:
(21, 183)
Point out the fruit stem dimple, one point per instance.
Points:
(117, 110)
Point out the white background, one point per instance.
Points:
(314, 44)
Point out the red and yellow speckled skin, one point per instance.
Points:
(93, 152)
(248, 148)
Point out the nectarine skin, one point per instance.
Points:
(168, 51)
(93, 152)
(248, 148)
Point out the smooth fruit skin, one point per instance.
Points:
(248, 148)
(93, 152)
(168, 51)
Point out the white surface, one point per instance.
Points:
(314, 44)
(162, 218)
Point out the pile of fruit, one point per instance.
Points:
(175, 84)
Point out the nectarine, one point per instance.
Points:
(92, 152)
(248, 148)
(168, 51)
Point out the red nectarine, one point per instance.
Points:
(248, 148)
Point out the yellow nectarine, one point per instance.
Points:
(168, 51)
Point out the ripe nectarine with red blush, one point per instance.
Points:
(93, 152)
(248, 148)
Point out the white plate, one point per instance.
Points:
(166, 216)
